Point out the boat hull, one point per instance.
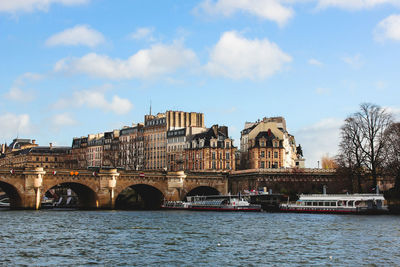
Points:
(231, 209)
(336, 211)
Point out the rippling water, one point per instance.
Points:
(184, 238)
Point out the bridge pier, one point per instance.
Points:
(176, 182)
(106, 193)
(31, 196)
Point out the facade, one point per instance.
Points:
(267, 144)
(158, 153)
(210, 150)
(94, 151)
(131, 147)
(111, 149)
(78, 153)
(24, 153)
(176, 145)
(155, 142)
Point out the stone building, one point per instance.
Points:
(176, 145)
(155, 142)
(131, 147)
(111, 149)
(24, 153)
(156, 128)
(267, 144)
(94, 151)
(78, 153)
(210, 150)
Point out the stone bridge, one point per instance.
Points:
(26, 188)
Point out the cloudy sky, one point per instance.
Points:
(73, 67)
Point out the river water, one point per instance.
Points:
(184, 238)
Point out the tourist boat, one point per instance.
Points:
(212, 203)
(338, 203)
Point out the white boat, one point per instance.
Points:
(338, 203)
(5, 203)
(212, 203)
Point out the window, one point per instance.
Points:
(275, 154)
(213, 155)
(227, 155)
(262, 166)
(227, 165)
(269, 154)
(227, 144)
(262, 143)
(214, 165)
(262, 154)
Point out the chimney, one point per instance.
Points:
(51, 145)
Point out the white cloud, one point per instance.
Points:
(62, 120)
(146, 63)
(355, 61)
(96, 99)
(13, 6)
(395, 111)
(13, 125)
(237, 57)
(319, 139)
(388, 29)
(355, 4)
(315, 62)
(322, 91)
(143, 34)
(78, 35)
(265, 9)
(16, 94)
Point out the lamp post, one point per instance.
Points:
(318, 164)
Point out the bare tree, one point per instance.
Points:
(373, 122)
(363, 143)
(351, 157)
(393, 153)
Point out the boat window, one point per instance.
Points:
(320, 203)
(315, 203)
(333, 204)
(308, 203)
(350, 203)
(327, 203)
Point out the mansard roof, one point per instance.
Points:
(43, 150)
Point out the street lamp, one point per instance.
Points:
(318, 163)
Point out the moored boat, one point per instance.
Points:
(338, 204)
(212, 203)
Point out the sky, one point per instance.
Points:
(73, 67)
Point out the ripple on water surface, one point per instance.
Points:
(181, 238)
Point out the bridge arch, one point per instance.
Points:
(202, 191)
(13, 194)
(139, 196)
(87, 197)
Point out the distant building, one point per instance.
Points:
(131, 147)
(210, 150)
(24, 153)
(267, 144)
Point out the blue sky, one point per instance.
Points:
(73, 67)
